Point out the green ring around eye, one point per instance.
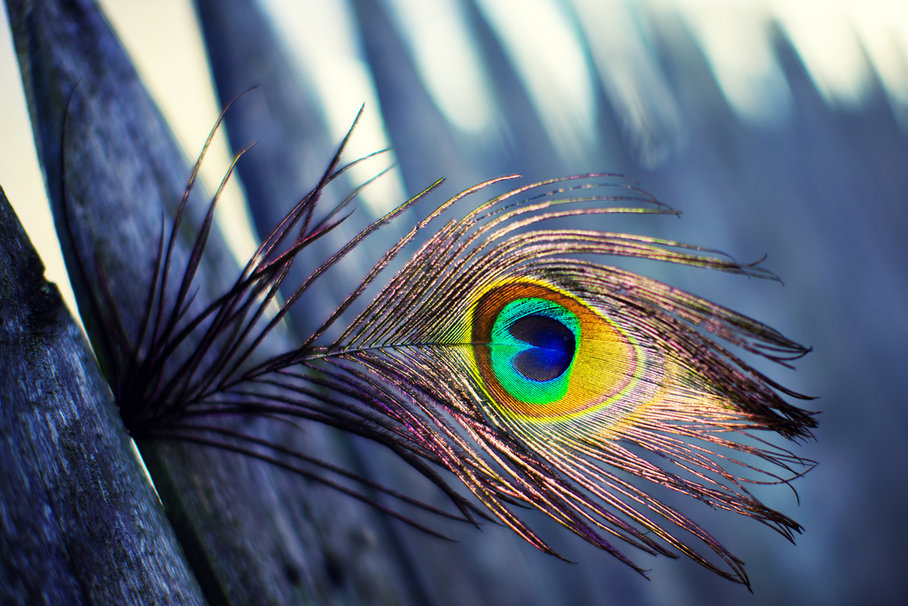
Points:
(533, 343)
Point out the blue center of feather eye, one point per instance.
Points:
(553, 347)
(534, 342)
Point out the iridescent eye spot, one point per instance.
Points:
(541, 353)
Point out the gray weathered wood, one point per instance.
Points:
(252, 533)
(79, 521)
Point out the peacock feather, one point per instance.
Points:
(505, 351)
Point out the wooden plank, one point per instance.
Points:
(79, 521)
(252, 533)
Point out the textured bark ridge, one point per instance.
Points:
(79, 521)
(251, 533)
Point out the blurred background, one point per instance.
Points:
(777, 128)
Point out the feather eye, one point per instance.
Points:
(540, 376)
(543, 355)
